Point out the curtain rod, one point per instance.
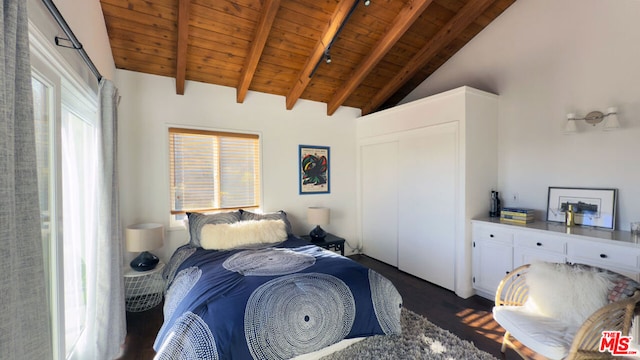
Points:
(71, 37)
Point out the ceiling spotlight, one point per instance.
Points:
(367, 2)
(327, 57)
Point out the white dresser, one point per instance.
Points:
(498, 248)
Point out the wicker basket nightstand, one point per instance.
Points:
(143, 289)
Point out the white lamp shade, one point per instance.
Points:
(612, 119)
(570, 126)
(318, 215)
(144, 237)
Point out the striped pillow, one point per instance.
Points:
(623, 288)
(278, 215)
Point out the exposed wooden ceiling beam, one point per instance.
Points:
(447, 33)
(410, 13)
(269, 11)
(183, 38)
(304, 77)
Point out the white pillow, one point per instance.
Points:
(567, 293)
(247, 234)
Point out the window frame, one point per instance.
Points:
(68, 92)
(53, 245)
(177, 216)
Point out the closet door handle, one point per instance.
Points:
(604, 256)
(490, 235)
(538, 244)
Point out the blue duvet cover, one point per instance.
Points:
(271, 303)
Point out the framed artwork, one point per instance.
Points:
(592, 207)
(313, 169)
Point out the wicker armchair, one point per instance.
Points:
(615, 316)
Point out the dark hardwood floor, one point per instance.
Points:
(470, 319)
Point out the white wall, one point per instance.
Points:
(547, 58)
(87, 23)
(149, 105)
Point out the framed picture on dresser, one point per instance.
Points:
(591, 206)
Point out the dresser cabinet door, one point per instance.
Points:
(492, 257)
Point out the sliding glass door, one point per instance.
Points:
(45, 92)
(65, 119)
(78, 196)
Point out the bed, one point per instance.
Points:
(245, 287)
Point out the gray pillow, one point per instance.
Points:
(278, 215)
(198, 220)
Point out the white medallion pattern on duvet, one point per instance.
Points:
(296, 314)
(176, 260)
(190, 339)
(387, 303)
(268, 262)
(182, 284)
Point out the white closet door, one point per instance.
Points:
(427, 202)
(379, 163)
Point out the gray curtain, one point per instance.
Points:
(24, 309)
(106, 320)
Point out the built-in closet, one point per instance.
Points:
(425, 168)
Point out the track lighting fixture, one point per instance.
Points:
(326, 56)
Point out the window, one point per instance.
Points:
(212, 170)
(65, 116)
(79, 158)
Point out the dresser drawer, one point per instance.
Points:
(617, 256)
(542, 242)
(495, 233)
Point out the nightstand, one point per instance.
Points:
(143, 289)
(330, 242)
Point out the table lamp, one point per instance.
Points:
(318, 216)
(144, 237)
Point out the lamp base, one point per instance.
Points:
(317, 234)
(144, 262)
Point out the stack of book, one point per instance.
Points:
(516, 215)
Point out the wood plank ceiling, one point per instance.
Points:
(379, 52)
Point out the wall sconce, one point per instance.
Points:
(594, 118)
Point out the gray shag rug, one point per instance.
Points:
(420, 339)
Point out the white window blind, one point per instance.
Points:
(212, 170)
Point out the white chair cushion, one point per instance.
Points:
(544, 335)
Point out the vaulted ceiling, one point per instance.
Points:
(378, 52)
